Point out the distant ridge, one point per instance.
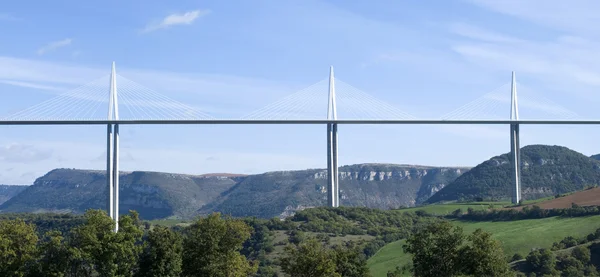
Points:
(163, 195)
(546, 171)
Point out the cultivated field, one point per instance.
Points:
(590, 197)
(516, 237)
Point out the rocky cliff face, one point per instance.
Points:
(152, 194)
(372, 185)
(161, 195)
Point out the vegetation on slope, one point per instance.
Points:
(7, 192)
(516, 237)
(163, 195)
(369, 185)
(546, 171)
(211, 246)
(154, 195)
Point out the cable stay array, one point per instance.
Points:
(356, 104)
(311, 104)
(90, 102)
(86, 102)
(496, 105)
(137, 102)
(306, 104)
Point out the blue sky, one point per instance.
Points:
(426, 58)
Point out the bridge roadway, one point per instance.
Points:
(299, 121)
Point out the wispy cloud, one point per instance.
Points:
(186, 18)
(8, 17)
(219, 95)
(54, 45)
(572, 16)
(31, 85)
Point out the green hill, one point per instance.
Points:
(162, 195)
(546, 171)
(381, 186)
(516, 237)
(7, 192)
(152, 194)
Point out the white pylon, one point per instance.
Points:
(112, 151)
(333, 199)
(515, 144)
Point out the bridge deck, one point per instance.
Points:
(310, 121)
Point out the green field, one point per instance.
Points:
(444, 209)
(516, 237)
(447, 208)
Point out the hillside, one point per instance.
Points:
(160, 195)
(152, 194)
(370, 185)
(516, 237)
(589, 197)
(7, 192)
(546, 171)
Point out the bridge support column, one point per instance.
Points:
(515, 144)
(515, 160)
(333, 188)
(112, 152)
(332, 166)
(109, 170)
(116, 177)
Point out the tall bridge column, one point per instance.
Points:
(515, 144)
(515, 159)
(112, 152)
(333, 199)
(109, 170)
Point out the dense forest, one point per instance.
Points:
(216, 245)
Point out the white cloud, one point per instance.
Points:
(8, 17)
(219, 95)
(32, 85)
(23, 153)
(54, 45)
(571, 16)
(37, 157)
(186, 18)
(566, 62)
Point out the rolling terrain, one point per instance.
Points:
(588, 197)
(546, 171)
(162, 195)
(381, 186)
(152, 194)
(516, 237)
(7, 192)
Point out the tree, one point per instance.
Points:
(542, 262)
(516, 257)
(582, 254)
(435, 250)
(212, 245)
(350, 262)
(162, 256)
(98, 250)
(17, 247)
(128, 245)
(309, 259)
(483, 256)
(54, 256)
